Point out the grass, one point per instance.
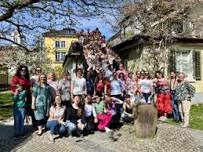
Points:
(5, 105)
(6, 112)
(196, 117)
(5, 98)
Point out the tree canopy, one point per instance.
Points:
(31, 17)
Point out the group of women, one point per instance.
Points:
(102, 99)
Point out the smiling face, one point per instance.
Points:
(76, 100)
(181, 77)
(23, 71)
(52, 76)
(43, 79)
(79, 73)
(173, 75)
(121, 66)
(58, 100)
(38, 71)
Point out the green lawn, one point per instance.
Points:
(5, 105)
(5, 98)
(196, 117)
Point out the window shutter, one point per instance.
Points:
(172, 65)
(197, 65)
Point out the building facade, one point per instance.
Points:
(182, 52)
(56, 45)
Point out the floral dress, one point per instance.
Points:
(42, 101)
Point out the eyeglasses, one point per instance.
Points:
(23, 70)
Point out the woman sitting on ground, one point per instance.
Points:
(102, 117)
(127, 114)
(89, 115)
(56, 119)
(114, 107)
(73, 117)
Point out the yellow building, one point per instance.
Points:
(56, 45)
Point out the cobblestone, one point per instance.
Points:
(169, 138)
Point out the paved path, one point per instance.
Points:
(169, 138)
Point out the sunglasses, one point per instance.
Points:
(23, 69)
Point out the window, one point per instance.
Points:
(60, 56)
(60, 44)
(177, 27)
(187, 61)
(63, 44)
(184, 63)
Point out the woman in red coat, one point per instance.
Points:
(22, 77)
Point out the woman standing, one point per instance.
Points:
(173, 83)
(22, 77)
(100, 85)
(79, 87)
(146, 87)
(123, 83)
(53, 84)
(116, 87)
(163, 97)
(184, 93)
(56, 119)
(41, 99)
(131, 86)
(64, 87)
(89, 84)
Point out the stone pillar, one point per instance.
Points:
(145, 120)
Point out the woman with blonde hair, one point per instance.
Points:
(41, 102)
(52, 81)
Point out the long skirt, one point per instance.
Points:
(163, 103)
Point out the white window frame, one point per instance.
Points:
(61, 44)
(189, 60)
(60, 56)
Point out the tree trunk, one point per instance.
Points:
(145, 120)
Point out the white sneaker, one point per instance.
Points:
(160, 118)
(185, 126)
(55, 136)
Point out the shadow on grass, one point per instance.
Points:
(7, 140)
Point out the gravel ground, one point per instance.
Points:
(168, 138)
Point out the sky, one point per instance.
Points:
(93, 23)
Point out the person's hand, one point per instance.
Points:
(33, 107)
(95, 120)
(16, 92)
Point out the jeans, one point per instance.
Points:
(175, 111)
(55, 127)
(19, 116)
(70, 127)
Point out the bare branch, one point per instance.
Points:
(16, 5)
(9, 40)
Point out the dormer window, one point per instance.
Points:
(177, 27)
